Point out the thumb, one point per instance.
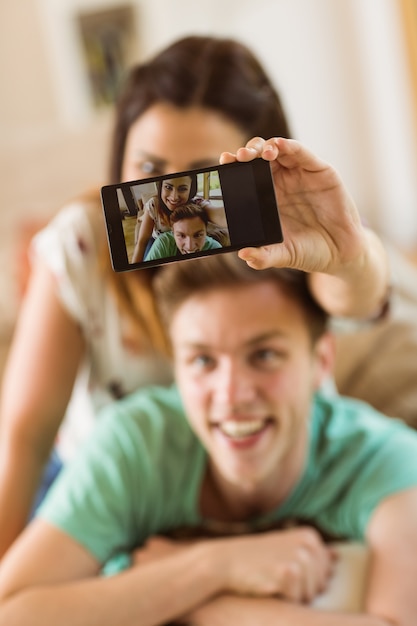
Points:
(263, 257)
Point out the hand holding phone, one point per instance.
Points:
(190, 214)
(323, 229)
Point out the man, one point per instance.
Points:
(188, 235)
(249, 456)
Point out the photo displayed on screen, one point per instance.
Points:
(190, 214)
(175, 216)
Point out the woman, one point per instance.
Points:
(86, 335)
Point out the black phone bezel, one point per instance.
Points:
(267, 204)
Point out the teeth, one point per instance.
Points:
(241, 428)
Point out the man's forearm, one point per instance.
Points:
(226, 609)
(147, 595)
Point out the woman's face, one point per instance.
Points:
(168, 139)
(175, 191)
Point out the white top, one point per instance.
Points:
(161, 225)
(70, 246)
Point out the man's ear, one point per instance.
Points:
(325, 354)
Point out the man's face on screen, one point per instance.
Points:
(189, 234)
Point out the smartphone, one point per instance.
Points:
(192, 214)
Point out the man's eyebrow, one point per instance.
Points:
(273, 334)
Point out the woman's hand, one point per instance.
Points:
(321, 225)
(322, 229)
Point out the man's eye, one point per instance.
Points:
(267, 357)
(203, 361)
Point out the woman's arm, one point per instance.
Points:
(145, 233)
(358, 289)
(216, 214)
(37, 384)
(323, 232)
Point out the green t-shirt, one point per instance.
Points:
(140, 472)
(165, 246)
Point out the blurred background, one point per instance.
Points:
(346, 70)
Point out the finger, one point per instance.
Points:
(292, 153)
(310, 574)
(227, 157)
(315, 558)
(324, 560)
(258, 148)
(329, 567)
(247, 154)
(292, 588)
(275, 255)
(256, 144)
(270, 151)
(255, 148)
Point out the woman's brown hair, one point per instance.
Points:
(219, 74)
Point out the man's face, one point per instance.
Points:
(189, 234)
(247, 370)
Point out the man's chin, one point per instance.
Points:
(244, 479)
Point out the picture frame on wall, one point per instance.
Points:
(107, 39)
(91, 44)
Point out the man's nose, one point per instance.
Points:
(235, 384)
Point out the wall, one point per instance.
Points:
(340, 65)
(342, 69)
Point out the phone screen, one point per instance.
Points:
(190, 214)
